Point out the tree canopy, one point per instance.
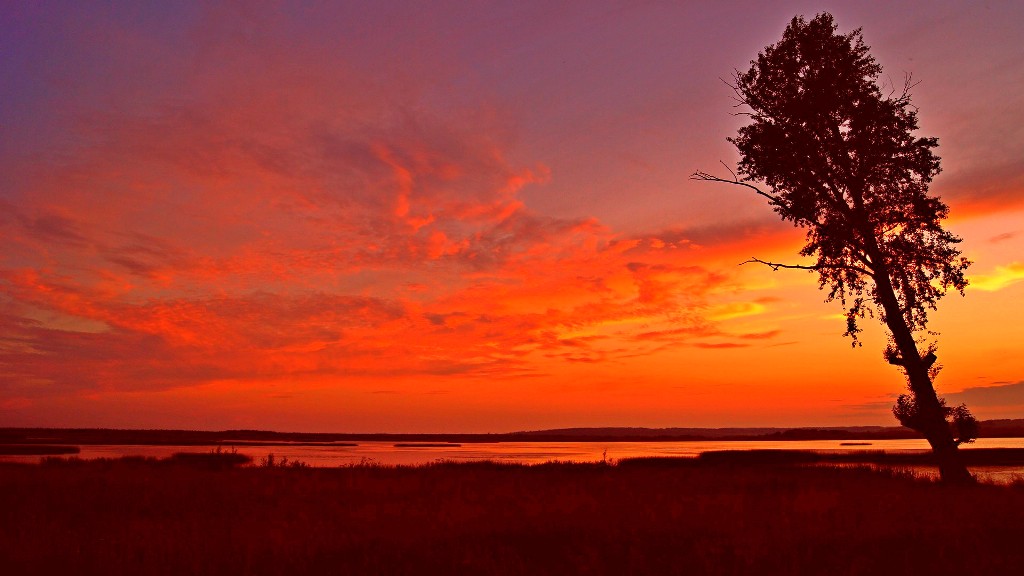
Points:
(842, 161)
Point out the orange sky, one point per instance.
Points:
(423, 218)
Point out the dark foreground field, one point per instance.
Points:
(639, 517)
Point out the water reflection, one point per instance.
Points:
(386, 453)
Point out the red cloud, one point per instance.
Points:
(263, 221)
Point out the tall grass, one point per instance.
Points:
(634, 517)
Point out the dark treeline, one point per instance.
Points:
(85, 436)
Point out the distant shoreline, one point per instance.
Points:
(94, 436)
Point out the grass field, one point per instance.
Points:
(635, 517)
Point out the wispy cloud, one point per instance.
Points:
(317, 246)
(1008, 396)
(1004, 237)
(1001, 277)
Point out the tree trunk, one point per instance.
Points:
(931, 417)
(933, 420)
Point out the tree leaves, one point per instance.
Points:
(843, 163)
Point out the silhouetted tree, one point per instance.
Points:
(838, 158)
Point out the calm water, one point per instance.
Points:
(533, 452)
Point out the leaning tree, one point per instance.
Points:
(835, 155)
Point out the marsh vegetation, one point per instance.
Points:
(645, 516)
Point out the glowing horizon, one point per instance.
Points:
(401, 219)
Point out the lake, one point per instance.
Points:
(387, 453)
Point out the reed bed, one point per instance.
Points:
(140, 516)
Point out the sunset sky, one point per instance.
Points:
(460, 217)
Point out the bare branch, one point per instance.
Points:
(737, 93)
(731, 172)
(707, 177)
(773, 200)
(777, 266)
